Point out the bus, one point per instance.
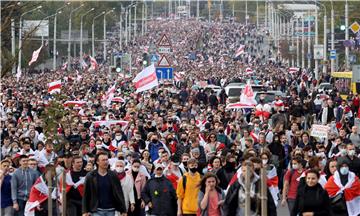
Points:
(344, 83)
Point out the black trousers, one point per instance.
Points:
(74, 207)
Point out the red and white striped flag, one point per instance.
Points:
(351, 191)
(248, 70)
(118, 99)
(93, 63)
(78, 76)
(54, 87)
(18, 74)
(272, 183)
(111, 122)
(83, 64)
(177, 77)
(146, 79)
(38, 194)
(293, 69)
(79, 185)
(64, 66)
(74, 103)
(108, 93)
(35, 55)
(240, 51)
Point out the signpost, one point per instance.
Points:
(165, 73)
(318, 51)
(355, 27)
(356, 73)
(332, 54)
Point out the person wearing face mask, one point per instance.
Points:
(354, 161)
(291, 182)
(127, 184)
(159, 194)
(227, 171)
(235, 197)
(343, 189)
(47, 155)
(119, 139)
(311, 199)
(154, 147)
(271, 174)
(139, 180)
(182, 146)
(187, 190)
(184, 159)
(221, 137)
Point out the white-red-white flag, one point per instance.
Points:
(247, 96)
(35, 55)
(108, 93)
(83, 64)
(146, 79)
(64, 66)
(79, 185)
(74, 103)
(78, 76)
(108, 123)
(38, 194)
(18, 74)
(240, 51)
(248, 70)
(293, 69)
(177, 77)
(54, 87)
(93, 63)
(118, 99)
(272, 183)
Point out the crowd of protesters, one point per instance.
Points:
(179, 151)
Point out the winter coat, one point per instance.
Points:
(162, 195)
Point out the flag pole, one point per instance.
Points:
(63, 192)
(263, 193)
(50, 187)
(247, 190)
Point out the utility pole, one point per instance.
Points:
(129, 27)
(142, 19)
(347, 63)
(13, 44)
(309, 41)
(221, 10)
(316, 42)
(246, 13)
(146, 16)
(265, 15)
(325, 43)
(297, 44)
(332, 36)
(121, 31)
(257, 14)
(126, 26)
(303, 42)
(135, 21)
(197, 9)
(209, 10)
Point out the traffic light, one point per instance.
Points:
(145, 60)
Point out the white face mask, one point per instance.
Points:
(343, 152)
(119, 169)
(351, 152)
(264, 161)
(295, 166)
(344, 170)
(117, 137)
(310, 153)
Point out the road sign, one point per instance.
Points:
(164, 62)
(164, 41)
(355, 27)
(348, 43)
(164, 50)
(154, 58)
(318, 51)
(165, 73)
(332, 54)
(356, 73)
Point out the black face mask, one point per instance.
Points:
(193, 170)
(170, 140)
(185, 163)
(257, 171)
(121, 158)
(183, 139)
(154, 140)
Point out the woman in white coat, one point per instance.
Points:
(127, 184)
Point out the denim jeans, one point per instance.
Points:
(104, 213)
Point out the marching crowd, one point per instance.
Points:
(178, 150)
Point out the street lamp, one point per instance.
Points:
(54, 46)
(20, 34)
(92, 38)
(69, 40)
(81, 30)
(104, 54)
(332, 61)
(325, 36)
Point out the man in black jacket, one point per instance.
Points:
(159, 194)
(102, 191)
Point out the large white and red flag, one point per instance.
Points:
(74, 103)
(79, 185)
(54, 87)
(118, 99)
(35, 55)
(247, 96)
(248, 70)
(146, 79)
(351, 191)
(108, 123)
(108, 93)
(272, 183)
(240, 51)
(177, 77)
(93, 63)
(38, 194)
(64, 66)
(293, 69)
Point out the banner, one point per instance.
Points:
(35, 55)
(146, 79)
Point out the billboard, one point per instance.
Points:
(38, 28)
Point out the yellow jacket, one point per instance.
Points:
(189, 196)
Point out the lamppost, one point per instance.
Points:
(93, 37)
(69, 37)
(347, 63)
(81, 30)
(20, 34)
(110, 11)
(54, 47)
(332, 61)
